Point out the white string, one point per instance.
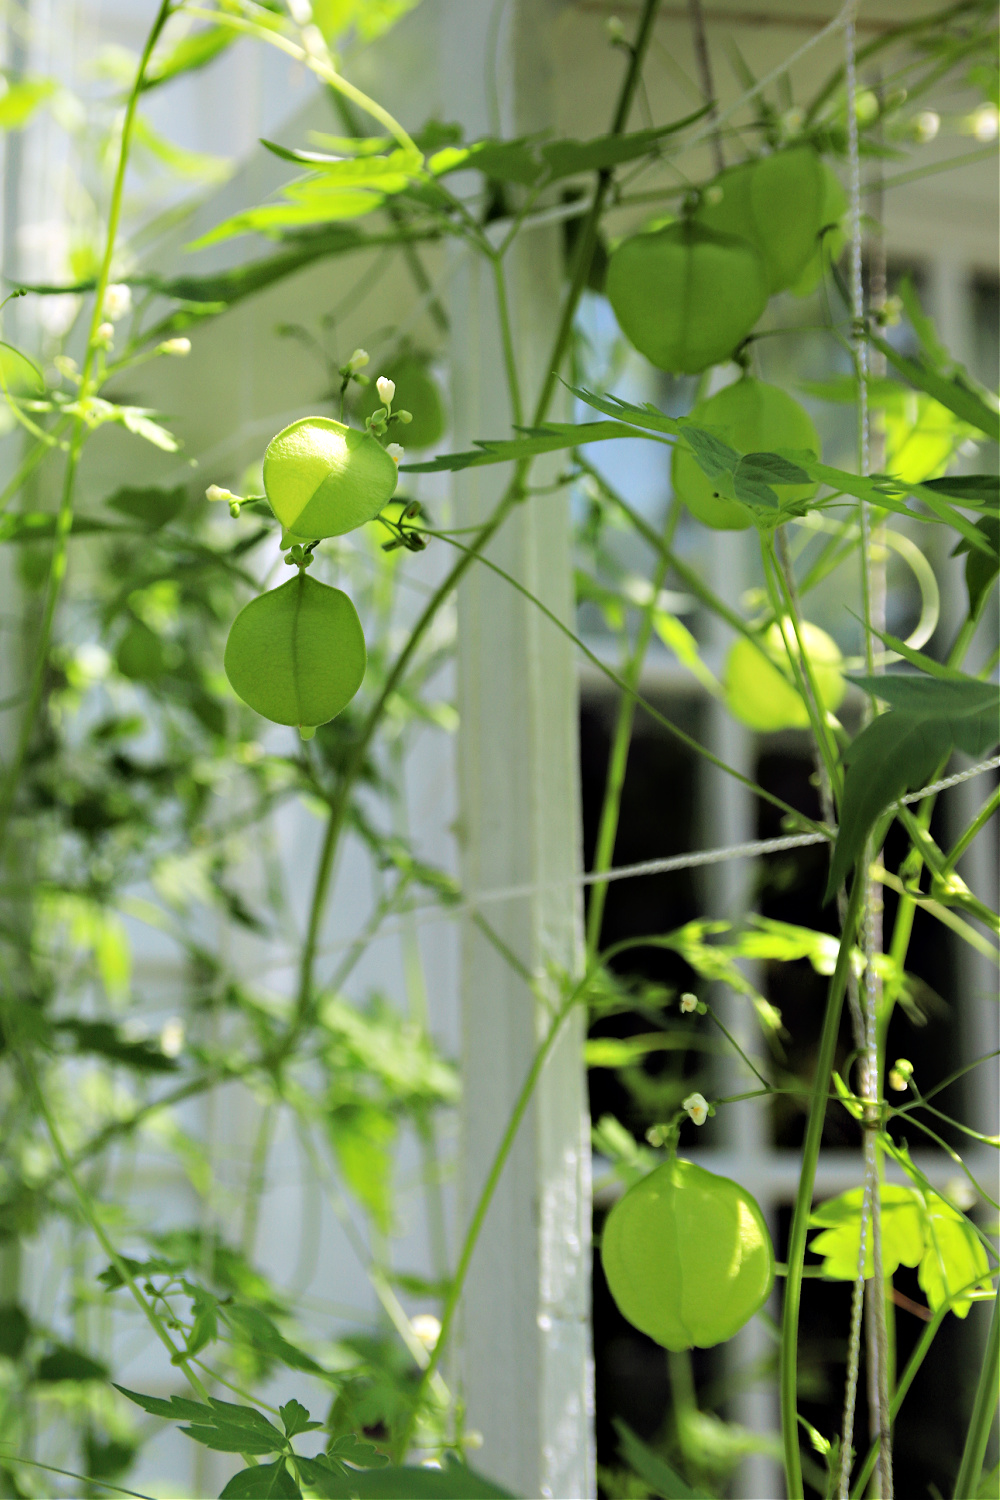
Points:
(665, 866)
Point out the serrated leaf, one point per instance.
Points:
(951, 390)
(221, 1425)
(970, 489)
(552, 438)
(773, 468)
(646, 416)
(295, 1418)
(139, 422)
(261, 1482)
(454, 1481)
(568, 158)
(714, 456)
(980, 568)
(900, 751)
(18, 373)
(187, 55)
(349, 1448)
(903, 1239)
(661, 1478)
(264, 1335)
(955, 1259)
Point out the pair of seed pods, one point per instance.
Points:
(297, 654)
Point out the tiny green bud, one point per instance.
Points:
(406, 417)
(234, 508)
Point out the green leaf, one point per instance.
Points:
(363, 1136)
(261, 1482)
(40, 526)
(15, 1326)
(980, 568)
(952, 391)
(20, 100)
(351, 1449)
(970, 489)
(455, 1481)
(295, 1418)
(568, 158)
(221, 1425)
(104, 1039)
(549, 439)
(955, 1260)
(18, 373)
(66, 1363)
(903, 1240)
(192, 52)
(259, 1331)
(151, 506)
(657, 1473)
(646, 416)
(900, 751)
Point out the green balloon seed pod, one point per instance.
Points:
(416, 392)
(751, 417)
(323, 478)
(833, 242)
(759, 687)
(685, 296)
(297, 654)
(687, 1256)
(775, 202)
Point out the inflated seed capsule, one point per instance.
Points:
(687, 1256)
(775, 202)
(685, 296)
(760, 689)
(323, 478)
(752, 417)
(297, 654)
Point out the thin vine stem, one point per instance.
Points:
(983, 1409)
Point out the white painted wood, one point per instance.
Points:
(525, 1364)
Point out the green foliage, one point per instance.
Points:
(657, 1473)
(904, 749)
(776, 203)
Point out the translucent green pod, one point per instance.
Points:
(323, 478)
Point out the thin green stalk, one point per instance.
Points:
(507, 341)
(64, 518)
(91, 1218)
(803, 1196)
(905, 1381)
(608, 828)
(512, 496)
(979, 822)
(983, 1408)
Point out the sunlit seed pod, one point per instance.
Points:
(323, 478)
(760, 690)
(416, 392)
(685, 296)
(752, 417)
(687, 1256)
(297, 654)
(775, 202)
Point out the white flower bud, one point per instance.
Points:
(177, 347)
(358, 360)
(697, 1108)
(386, 389)
(117, 301)
(427, 1329)
(985, 123)
(689, 1002)
(614, 29)
(172, 1038)
(395, 451)
(105, 333)
(215, 492)
(926, 126)
(901, 1074)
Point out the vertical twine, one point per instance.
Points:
(877, 1342)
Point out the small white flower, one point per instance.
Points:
(177, 347)
(172, 1038)
(386, 389)
(358, 360)
(215, 492)
(105, 333)
(926, 125)
(689, 1002)
(697, 1108)
(901, 1074)
(395, 451)
(985, 122)
(427, 1329)
(117, 301)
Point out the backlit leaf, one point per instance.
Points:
(262, 1482)
(453, 1481)
(66, 1363)
(981, 568)
(955, 1259)
(661, 1478)
(189, 54)
(903, 1238)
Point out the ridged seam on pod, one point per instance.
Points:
(323, 478)
(687, 1256)
(297, 654)
(775, 202)
(686, 296)
(752, 417)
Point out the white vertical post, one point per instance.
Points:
(525, 1365)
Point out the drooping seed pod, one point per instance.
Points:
(776, 202)
(323, 478)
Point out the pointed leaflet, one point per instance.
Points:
(221, 1425)
(455, 1481)
(980, 569)
(902, 750)
(548, 439)
(295, 1418)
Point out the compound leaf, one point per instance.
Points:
(903, 1240)
(262, 1482)
(221, 1425)
(295, 1418)
(455, 1481)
